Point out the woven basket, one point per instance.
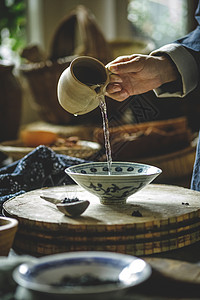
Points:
(175, 166)
(85, 150)
(165, 144)
(43, 76)
(128, 129)
(129, 142)
(90, 42)
(122, 47)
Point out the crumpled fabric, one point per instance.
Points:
(40, 168)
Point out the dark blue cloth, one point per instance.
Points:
(195, 182)
(192, 40)
(40, 168)
(192, 43)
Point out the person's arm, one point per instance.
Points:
(136, 74)
(187, 68)
(173, 70)
(185, 53)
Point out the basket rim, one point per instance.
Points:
(87, 149)
(30, 67)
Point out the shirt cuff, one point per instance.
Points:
(186, 66)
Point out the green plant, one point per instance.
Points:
(12, 23)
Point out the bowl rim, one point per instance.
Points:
(69, 170)
(45, 288)
(10, 223)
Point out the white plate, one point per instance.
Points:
(45, 275)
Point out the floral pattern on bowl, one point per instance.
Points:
(125, 179)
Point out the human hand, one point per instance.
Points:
(137, 74)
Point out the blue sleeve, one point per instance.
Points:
(192, 40)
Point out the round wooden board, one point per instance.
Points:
(170, 220)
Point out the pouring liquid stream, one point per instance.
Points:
(103, 108)
(102, 105)
(94, 82)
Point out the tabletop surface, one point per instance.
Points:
(169, 220)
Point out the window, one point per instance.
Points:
(161, 20)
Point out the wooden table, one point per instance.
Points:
(168, 228)
(170, 220)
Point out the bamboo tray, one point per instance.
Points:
(170, 220)
(84, 149)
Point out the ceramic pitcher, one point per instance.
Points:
(81, 85)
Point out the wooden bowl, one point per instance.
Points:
(8, 228)
(34, 138)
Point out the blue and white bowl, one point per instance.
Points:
(45, 275)
(125, 179)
